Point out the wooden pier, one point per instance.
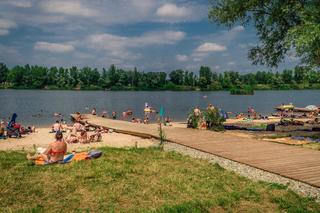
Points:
(289, 161)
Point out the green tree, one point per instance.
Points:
(38, 77)
(74, 77)
(16, 75)
(53, 76)
(113, 75)
(305, 36)
(287, 76)
(299, 75)
(177, 77)
(205, 76)
(281, 25)
(3, 72)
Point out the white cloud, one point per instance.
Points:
(238, 29)
(20, 3)
(119, 46)
(160, 37)
(173, 11)
(70, 7)
(210, 47)
(231, 63)
(246, 45)
(182, 58)
(197, 59)
(4, 32)
(53, 47)
(110, 41)
(63, 16)
(5, 25)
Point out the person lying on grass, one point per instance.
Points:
(55, 151)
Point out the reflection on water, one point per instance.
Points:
(38, 106)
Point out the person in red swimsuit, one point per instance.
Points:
(55, 151)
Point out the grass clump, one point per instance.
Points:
(137, 180)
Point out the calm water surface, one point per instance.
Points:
(36, 107)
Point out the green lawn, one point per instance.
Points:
(138, 180)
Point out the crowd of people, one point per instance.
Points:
(78, 132)
(128, 115)
(251, 115)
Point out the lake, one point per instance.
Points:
(36, 107)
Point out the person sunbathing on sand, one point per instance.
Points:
(83, 138)
(96, 136)
(78, 126)
(71, 138)
(55, 151)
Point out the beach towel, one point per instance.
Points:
(66, 159)
(72, 157)
(81, 156)
(94, 154)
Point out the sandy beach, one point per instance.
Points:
(42, 137)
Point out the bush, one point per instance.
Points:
(193, 121)
(214, 120)
(263, 87)
(215, 86)
(6, 85)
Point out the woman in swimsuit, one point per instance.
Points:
(55, 151)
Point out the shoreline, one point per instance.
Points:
(155, 90)
(42, 137)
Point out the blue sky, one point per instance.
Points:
(153, 35)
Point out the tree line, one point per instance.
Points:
(86, 78)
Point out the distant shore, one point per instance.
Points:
(154, 90)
